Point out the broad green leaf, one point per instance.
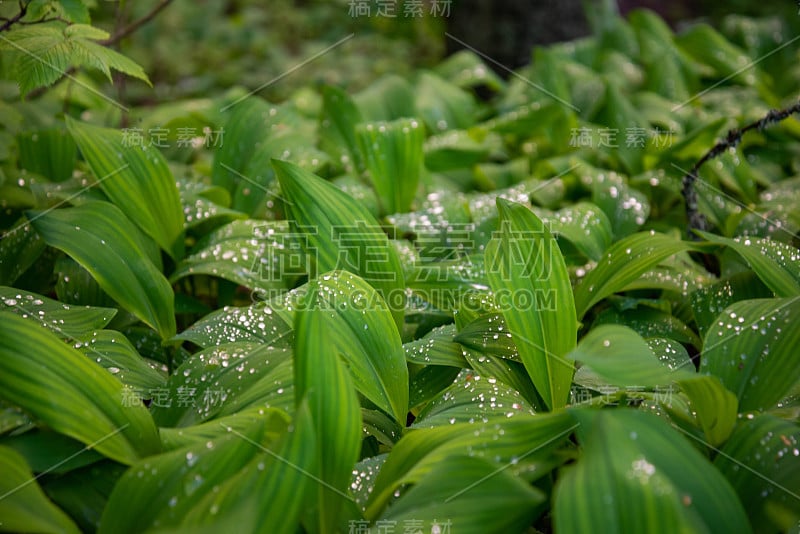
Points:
(752, 349)
(20, 247)
(137, 180)
(44, 52)
(102, 239)
(488, 334)
(256, 323)
(212, 381)
(473, 398)
(453, 150)
(70, 394)
(63, 319)
(51, 153)
(322, 380)
(760, 460)
(524, 442)
(341, 234)
(627, 209)
(649, 323)
(159, 491)
(467, 494)
(276, 423)
(709, 301)
(636, 474)
(776, 263)
(585, 225)
(113, 351)
(338, 127)
(392, 153)
(443, 105)
(24, 507)
(288, 463)
(75, 285)
(466, 69)
(524, 262)
(363, 333)
(436, 348)
(625, 261)
(252, 253)
(46, 451)
(389, 98)
(425, 384)
(623, 358)
(715, 407)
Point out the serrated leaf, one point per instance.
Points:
(24, 506)
(137, 180)
(72, 395)
(101, 238)
(752, 348)
(341, 234)
(523, 260)
(623, 263)
(636, 474)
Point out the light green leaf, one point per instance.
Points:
(752, 348)
(624, 262)
(51, 153)
(443, 105)
(137, 180)
(24, 507)
(365, 336)
(341, 234)
(102, 239)
(636, 474)
(338, 128)
(776, 263)
(436, 348)
(715, 407)
(256, 323)
(392, 152)
(623, 358)
(62, 388)
(322, 380)
(523, 261)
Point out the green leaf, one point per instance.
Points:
(24, 507)
(524, 442)
(276, 423)
(70, 394)
(625, 261)
(715, 407)
(585, 225)
(523, 261)
(256, 323)
(102, 239)
(636, 474)
(752, 348)
(251, 253)
(161, 490)
(51, 153)
(363, 332)
(338, 127)
(436, 348)
(44, 52)
(710, 300)
(64, 320)
(137, 179)
(392, 152)
(760, 462)
(321, 380)
(776, 263)
(20, 247)
(341, 234)
(443, 105)
(113, 351)
(473, 398)
(488, 334)
(623, 358)
(467, 494)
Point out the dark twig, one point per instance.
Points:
(697, 220)
(23, 10)
(136, 24)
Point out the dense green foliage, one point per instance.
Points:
(405, 306)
